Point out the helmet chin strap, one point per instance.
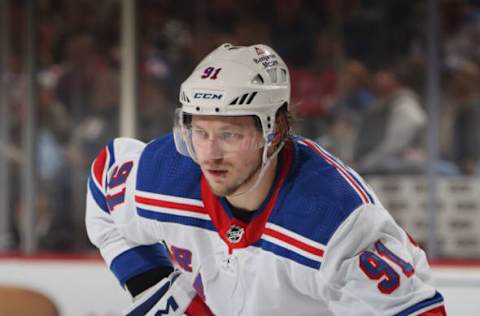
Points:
(265, 164)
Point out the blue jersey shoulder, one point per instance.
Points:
(163, 170)
(319, 193)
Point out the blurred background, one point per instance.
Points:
(389, 87)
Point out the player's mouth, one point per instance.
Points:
(217, 174)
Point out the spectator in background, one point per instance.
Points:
(53, 224)
(354, 93)
(463, 86)
(293, 32)
(162, 39)
(101, 122)
(378, 31)
(80, 67)
(354, 96)
(249, 31)
(222, 15)
(155, 109)
(461, 32)
(89, 89)
(314, 88)
(390, 132)
(14, 82)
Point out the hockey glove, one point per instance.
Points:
(173, 296)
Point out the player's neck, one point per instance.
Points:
(252, 199)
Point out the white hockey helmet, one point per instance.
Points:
(235, 81)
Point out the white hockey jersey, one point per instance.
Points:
(320, 244)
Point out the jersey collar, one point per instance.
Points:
(235, 233)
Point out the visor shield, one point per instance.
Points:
(215, 139)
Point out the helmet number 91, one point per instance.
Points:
(211, 73)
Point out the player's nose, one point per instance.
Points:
(212, 150)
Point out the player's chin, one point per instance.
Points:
(218, 190)
(222, 188)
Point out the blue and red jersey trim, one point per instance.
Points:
(97, 195)
(291, 245)
(137, 260)
(97, 182)
(111, 155)
(285, 253)
(104, 161)
(351, 178)
(431, 307)
(99, 168)
(173, 209)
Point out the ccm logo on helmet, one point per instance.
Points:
(208, 96)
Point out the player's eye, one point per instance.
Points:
(230, 136)
(199, 133)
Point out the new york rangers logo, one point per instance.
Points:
(235, 234)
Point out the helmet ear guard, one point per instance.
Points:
(238, 81)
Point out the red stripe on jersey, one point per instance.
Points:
(99, 167)
(413, 241)
(172, 205)
(297, 243)
(437, 311)
(339, 168)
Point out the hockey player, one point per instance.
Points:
(255, 220)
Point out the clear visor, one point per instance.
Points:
(215, 137)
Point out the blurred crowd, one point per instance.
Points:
(358, 71)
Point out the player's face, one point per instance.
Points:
(227, 151)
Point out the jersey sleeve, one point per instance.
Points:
(111, 221)
(374, 267)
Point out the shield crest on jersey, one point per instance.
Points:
(235, 233)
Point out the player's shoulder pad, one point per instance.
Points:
(125, 146)
(320, 193)
(164, 171)
(117, 151)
